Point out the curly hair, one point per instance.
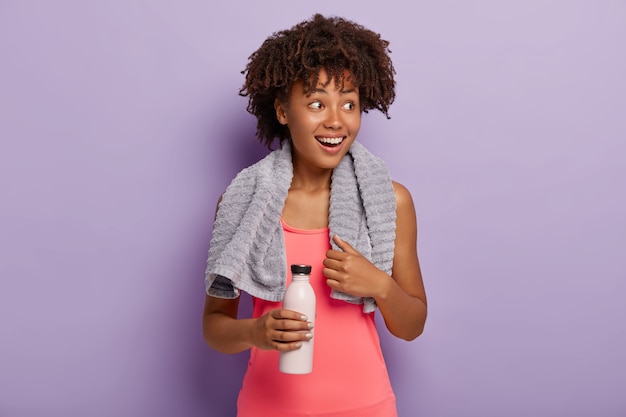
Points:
(300, 53)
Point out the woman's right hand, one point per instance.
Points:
(281, 330)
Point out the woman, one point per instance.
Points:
(320, 199)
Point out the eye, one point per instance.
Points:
(316, 105)
(349, 106)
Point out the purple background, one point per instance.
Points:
(121, 125)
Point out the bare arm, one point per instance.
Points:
(221, 329)
(401, 297)
(403, 304)
(279, 329)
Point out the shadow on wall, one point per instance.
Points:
(216, 377)
(407, 368)
(219, 381)
(232, 146)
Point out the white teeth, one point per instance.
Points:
(331, 141)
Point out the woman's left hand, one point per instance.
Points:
(350, 272)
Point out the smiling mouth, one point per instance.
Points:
(330, 141)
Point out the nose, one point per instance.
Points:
(333, 118)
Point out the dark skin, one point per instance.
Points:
(329, 112)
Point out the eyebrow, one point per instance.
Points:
(321, 90)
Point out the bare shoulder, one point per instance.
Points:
(402, 193)
(404, 202)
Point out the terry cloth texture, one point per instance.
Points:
(247, 249)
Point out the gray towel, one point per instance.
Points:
(247, 248)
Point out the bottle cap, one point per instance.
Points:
(301, 269)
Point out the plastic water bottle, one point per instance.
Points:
(299, 297)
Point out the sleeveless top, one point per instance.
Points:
(349, 375)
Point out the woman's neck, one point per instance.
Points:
(305, 178)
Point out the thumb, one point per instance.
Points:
(345, 246)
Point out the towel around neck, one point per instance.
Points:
(247, 249)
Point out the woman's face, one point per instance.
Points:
(322, 124)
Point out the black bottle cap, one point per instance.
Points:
(301, 269)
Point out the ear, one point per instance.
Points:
(281, 112)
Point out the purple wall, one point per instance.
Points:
(121, 124)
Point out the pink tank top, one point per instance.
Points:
(349, 375)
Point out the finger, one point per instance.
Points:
(332, 263)
(292, 325)
(331, 273)
(283, 314)
(345, 246)
(334, 284)
(286, 347)
(285, 336)
(335, 254)
(291, 338)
